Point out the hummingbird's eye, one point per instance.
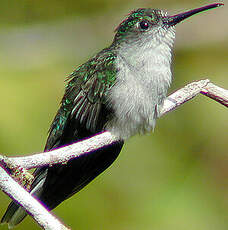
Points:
(144, 25)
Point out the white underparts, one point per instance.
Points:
(143, 79)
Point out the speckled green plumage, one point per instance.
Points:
(86, 90)
(128, 25)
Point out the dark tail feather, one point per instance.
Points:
(14, 215)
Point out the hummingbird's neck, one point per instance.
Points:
(148, 61)
(161, 42)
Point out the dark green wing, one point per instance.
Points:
(84, 98)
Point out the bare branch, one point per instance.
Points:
(64, 154)
(61, 155)
(183, 95)
(42, 216)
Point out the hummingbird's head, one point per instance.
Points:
(152, 26)
(142, 25)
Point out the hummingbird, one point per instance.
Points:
(121, 89)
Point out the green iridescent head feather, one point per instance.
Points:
(152, 16)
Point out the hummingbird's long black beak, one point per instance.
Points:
(173, 20)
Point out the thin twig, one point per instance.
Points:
(183, 95)
(216, 93)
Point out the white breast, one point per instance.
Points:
(142, 83)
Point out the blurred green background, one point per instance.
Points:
(174, 178)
